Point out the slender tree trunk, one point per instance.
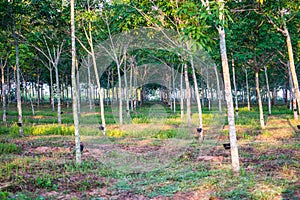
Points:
(130, 82)
(200, 128)
(3, 95)
(207, 90)
(181, 94)
(231, 124)
(112, 85)
(74, 87)
(261, 112)
(8, 86)
(18, 91)
(58, 94)
(103, 127)
(67, 82)
(39, 91)
(293, 99)
(268, 91)
(188, 96)
(90, 88)
(51, 89)
(135, 87)
(126, 88)
(202, 89)
(235, 90)
(247, 88)
(108, 88)
(218, 90)
(292, 66)
(78, 88)
(30, 98)
(120, 94)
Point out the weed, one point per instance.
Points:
(9, 148)
(116, 133)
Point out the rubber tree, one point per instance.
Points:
(228, 95)
(53, 53)
(3, 63)
(74, 86)
(280, 14)
(91, 52)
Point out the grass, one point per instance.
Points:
(155, 156)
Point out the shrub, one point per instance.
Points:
(53, 130)
(165, 134)
(115, 133)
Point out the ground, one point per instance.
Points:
(154, 164)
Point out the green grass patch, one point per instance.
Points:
(6, 148)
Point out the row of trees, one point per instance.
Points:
(261, 37)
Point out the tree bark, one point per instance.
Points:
(218, 90)
(74, 87)
(268, 91)
(3, 65)
(188, 96)
(235, 90)
(293, 99)
(261, 112)
(19, 103)
(3, 95)
(173, 90)
(292, 65)
(51, 89)
(130, 82)
(231, 124)
(181, 94)
(58, 94)
(200, 128)
(247, 88)
(78, 88)
(126, 87)
(90, 88)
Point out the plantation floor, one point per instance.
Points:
(127, 167)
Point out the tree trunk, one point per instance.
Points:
(126, 87)
(58, 95)
(51, 89)
(235, 90)
(18, 91)
(218, 90)
(130, 82)
(181, 94)
(120, 94)
(292, 96)
(112, 85)
(292, 66)
(90, 88)
(74, 87)
(231, 124)
(247, 88)
(39, 91)
(200, 129)
(188, 96)
(135, 87)
(268, 91)
(261, 112)
(8, 86)
(78, 88)
(207, 90)
(103, 127)
(3, 95)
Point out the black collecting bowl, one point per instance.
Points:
(226, 145)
